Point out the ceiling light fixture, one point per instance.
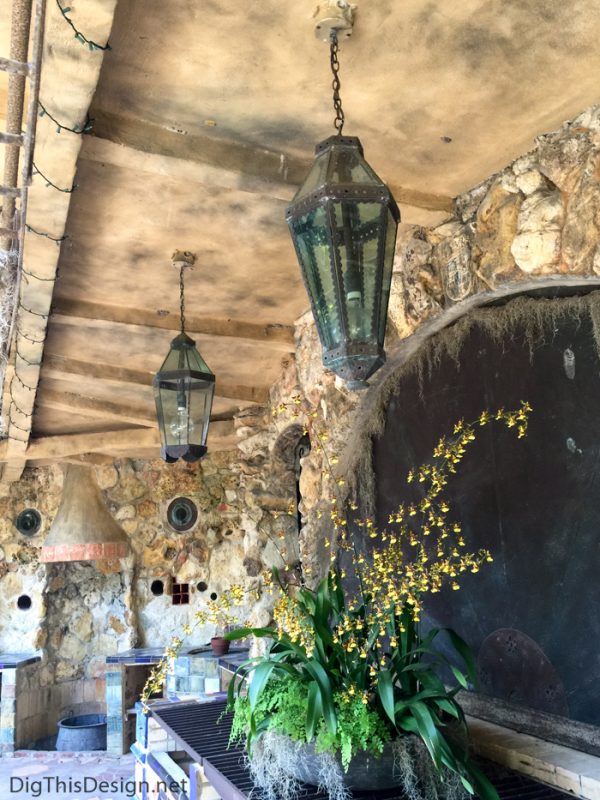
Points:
(183, 389)
(343, 221)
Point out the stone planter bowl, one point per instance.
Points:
(82, 733)
(364, 771)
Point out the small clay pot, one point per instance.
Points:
(220, 646)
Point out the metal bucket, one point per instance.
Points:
(85, 732)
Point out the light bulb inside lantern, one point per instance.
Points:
(354, 306)
(182, 424)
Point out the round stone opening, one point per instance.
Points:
(157, 588)
(182, 514)
(28, 521)
(24, 602)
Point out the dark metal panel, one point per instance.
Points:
(533, 503)
(513, 667)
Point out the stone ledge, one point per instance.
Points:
(562, 767)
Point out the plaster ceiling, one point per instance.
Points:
(489, 74)
(206, 116)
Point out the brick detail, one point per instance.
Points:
(84, 552)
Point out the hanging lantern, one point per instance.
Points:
(343, 222)
(183, 389)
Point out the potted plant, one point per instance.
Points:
(351, 690)
(219, 613)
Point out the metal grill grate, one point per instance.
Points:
(202, 730)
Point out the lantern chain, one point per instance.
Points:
(336, 85)
(181, 298)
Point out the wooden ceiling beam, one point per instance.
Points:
(94, 407)
(70, 311)
(69, 79)
(119, 155)
(123, 442)
(273, 168)
(60, 367)
(90, 459)
(226, 154)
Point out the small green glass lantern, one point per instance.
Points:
(184, 388)
(343, 222)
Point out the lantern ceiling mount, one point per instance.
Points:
(334, 17)
(182, 259)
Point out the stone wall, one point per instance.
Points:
(82, 612)
(535, 224)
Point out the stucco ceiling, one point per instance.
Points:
(489, 74)
(206, 116)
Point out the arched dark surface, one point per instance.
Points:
(533, 503)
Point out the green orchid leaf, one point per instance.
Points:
(426, 694)
(450, 708)
(484, 789)
(242, 633)
(429, 680)
(465, 652)
(428, 731)
(385, 690)
(418, 666)
(262, 673)
(326, 694)
(242, 672)
(460, 677)
(314, 710)
(408, 724)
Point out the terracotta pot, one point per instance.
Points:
(220, 646)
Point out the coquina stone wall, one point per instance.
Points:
(535, 224)
(82, 612)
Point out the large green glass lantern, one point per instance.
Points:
(184, 388)
(343, 221)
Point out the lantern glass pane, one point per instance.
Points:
(185, 406)
(195, 361)
(179, 425)
(176, 359)
(346, 165)
(388, 265)
(358, 225)
(316, 177)
(184, 357)
(311, 235)
(200, 406)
